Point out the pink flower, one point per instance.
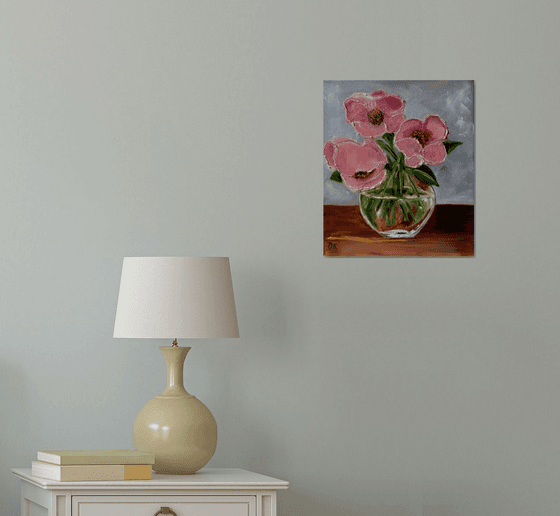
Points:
(375, 114)
(328, 150)
(421, 141)
(361, 166)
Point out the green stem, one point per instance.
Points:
(387, 148)
(413, 184)
(385, 183)
(400, 172)
(395, 180)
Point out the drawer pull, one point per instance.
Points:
(165, 510)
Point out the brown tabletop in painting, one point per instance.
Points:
(449, 232)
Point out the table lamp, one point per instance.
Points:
(174, 298)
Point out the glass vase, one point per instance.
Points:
(398, 212)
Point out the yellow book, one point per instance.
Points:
(91, 471)
(78, 457)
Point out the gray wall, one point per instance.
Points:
(377, 387)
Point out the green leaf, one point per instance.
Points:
(390, 137)
(336, 177)
(424, 173)
(450, 145)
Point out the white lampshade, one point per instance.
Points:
(168, 298)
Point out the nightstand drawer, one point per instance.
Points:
(190, 505)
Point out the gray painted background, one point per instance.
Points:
(398, 387)
(453, 101)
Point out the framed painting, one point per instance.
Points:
(398, 173)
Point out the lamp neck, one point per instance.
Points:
(175, 358)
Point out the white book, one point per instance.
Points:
(75, 457)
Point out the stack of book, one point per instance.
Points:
(76, 465)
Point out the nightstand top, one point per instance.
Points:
(206, 478)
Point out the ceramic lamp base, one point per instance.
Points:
(175, 426)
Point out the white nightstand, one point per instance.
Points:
(209, 492)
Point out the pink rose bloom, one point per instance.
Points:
(375, 114)
(361, 166)
(421, 141)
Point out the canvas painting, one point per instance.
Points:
(398, 168)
